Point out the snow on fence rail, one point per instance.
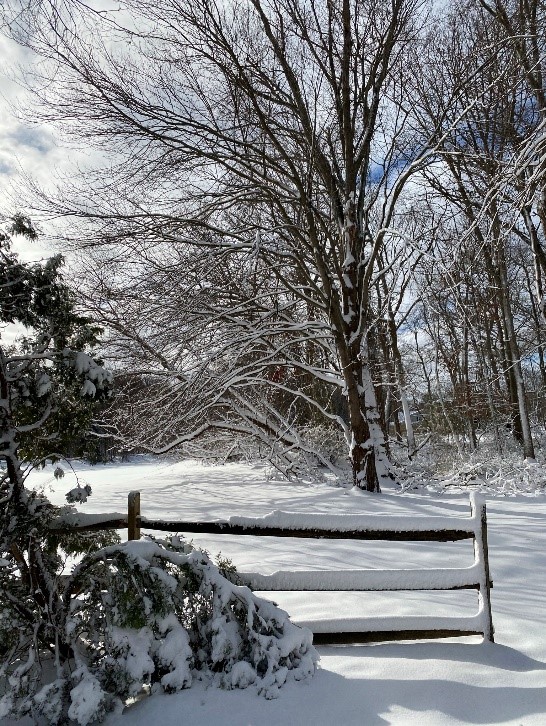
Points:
(320, 526)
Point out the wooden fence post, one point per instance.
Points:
(481, 553)
(133, 516)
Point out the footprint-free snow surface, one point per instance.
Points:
(457, 681)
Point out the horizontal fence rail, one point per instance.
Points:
(366, 580)
(360, 630)
(256, 530)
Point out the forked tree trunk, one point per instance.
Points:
(369, 461)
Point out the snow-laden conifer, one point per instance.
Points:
(141, 614)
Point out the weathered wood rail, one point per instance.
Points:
(405, 529)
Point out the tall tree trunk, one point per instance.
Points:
(515, 358)
(469, 414)
(400, 375)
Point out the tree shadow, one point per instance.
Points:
(375, 702)
(332, 698)
(494, 655)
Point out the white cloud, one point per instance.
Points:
(25, 149)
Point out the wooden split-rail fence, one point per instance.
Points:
(400, 529)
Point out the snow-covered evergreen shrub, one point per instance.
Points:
(159, 615)
(71, 649)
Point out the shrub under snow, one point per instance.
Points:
(157, 615)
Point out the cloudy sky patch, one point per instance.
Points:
(32, 138)
(25, 149)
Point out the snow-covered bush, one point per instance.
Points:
(326, 444)
(141, 614)
(152, 614)
(439, 468)
(314, 451)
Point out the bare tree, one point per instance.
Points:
(274, 132)
(475, 178)
(522, 27)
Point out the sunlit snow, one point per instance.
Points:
(438, 683)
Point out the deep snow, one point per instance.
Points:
(427, 683)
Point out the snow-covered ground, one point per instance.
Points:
(444, 682)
